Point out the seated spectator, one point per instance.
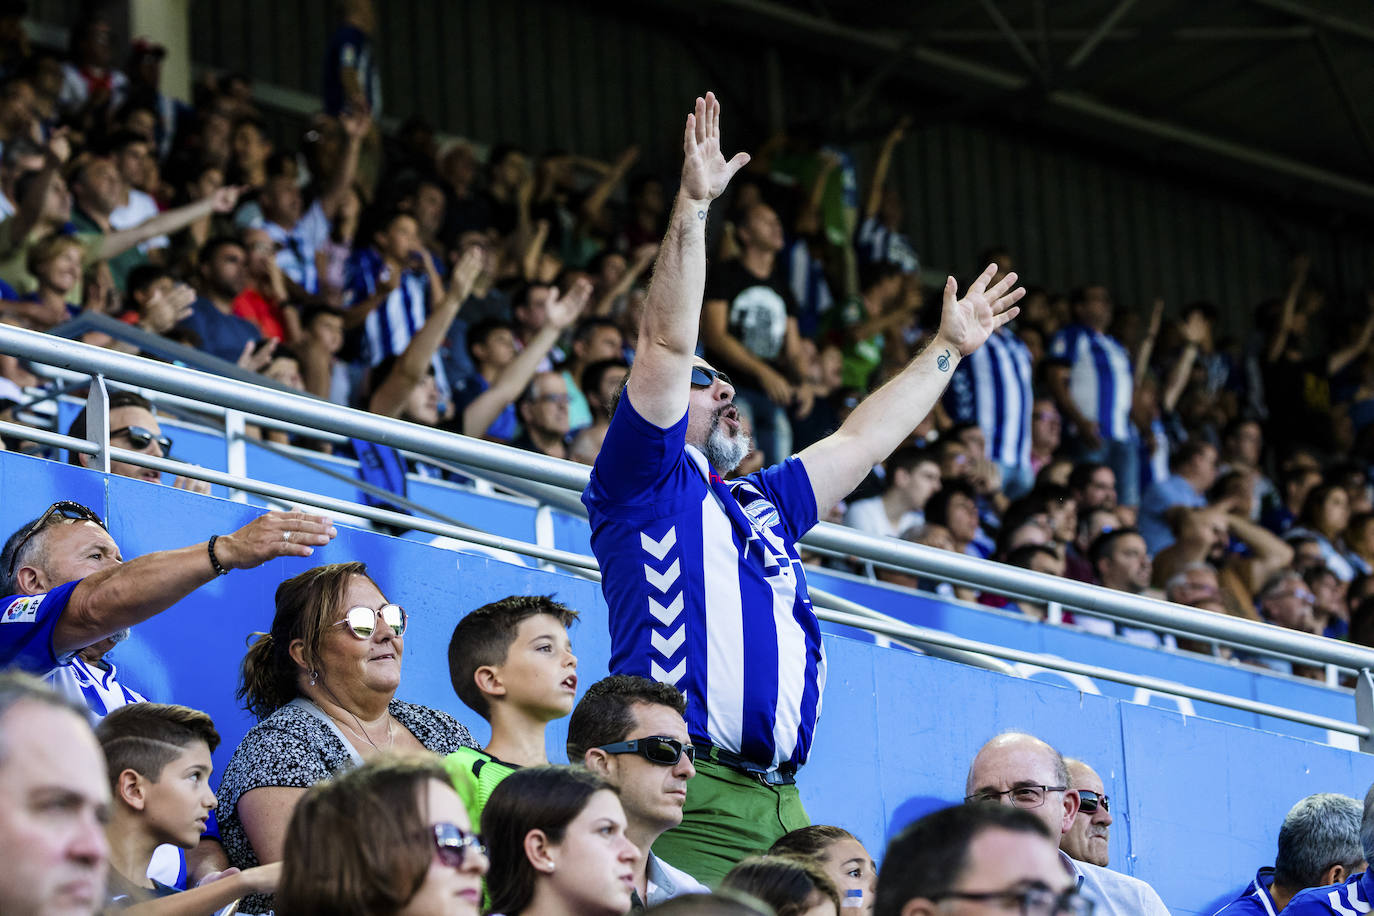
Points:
(1092, 524)
(1046, 429)
(158, 301)
(158, 760)
(1242, 448)
(1122, 563)
(132, 154)
(263, 299)
(73, 596)
(1319, 845)
(841, 856)
(593, 340)
(1193, 470)
(212, 320)
(976, 855)
(1093, 486)
(864, 323)
(541, 818)
(1352, 894)
(1243, 553)
(1021, 770)
(1087, 839)
(54, 863)
(132, 426)
(955, 508)
(299, 231)
(511, 662)
(322, 337)
(1039, 558)
(484, 301)
(1295, 483)
(543, 410)
(1328, 602)
(389, 838)
(1286, 602)
(252, 148)
(912, 477)
(487, 398)
(601, 382)
(792, 887)
(322, 685)
(1325, 515)
(55, 263)
(630, 731)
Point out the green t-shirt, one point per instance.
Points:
(475, 775)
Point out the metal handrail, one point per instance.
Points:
(829, 608)
(312, 413)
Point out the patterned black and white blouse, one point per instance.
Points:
(294, 749)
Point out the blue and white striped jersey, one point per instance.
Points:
(296, 246)
(806, 279)
(388, 329)
(1352, 898)
(1100, 381)
(705, 587)
(98, 688)
(993, 389)
(874, 243)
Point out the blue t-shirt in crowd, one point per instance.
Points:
(351, 49)
(220, 335)
(1162, 496)
(705, 587)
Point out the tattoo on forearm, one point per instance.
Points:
(942, 361)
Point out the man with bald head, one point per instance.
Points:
(54, 800)
(1086, 840)
(1018, 769)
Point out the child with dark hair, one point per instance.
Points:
(158, 760)
(511, 662)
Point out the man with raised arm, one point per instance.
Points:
(702, 577)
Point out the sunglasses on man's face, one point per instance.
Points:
(659, 749)
(453, 844)
(140, 438)
(63, 508)
(362, 621)
(1089, 800)
(705, 376)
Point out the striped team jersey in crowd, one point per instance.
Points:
(1352, 898)
(875, 243)
(705, 587)
(993, 389)
(388, 329)
(1100, 380)
(296, 246)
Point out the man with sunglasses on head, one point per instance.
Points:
(72, 595)
(702, 576)
(630, 732)
(1087, 839)
(976, 859)
(1021, 771)
(132, 426)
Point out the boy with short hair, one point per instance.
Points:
(158, 758)
(511, 661)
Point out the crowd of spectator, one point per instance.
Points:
(491, 292)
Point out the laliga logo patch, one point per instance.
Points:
(22, 610)
(762, 513)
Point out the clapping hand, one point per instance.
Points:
(705, 173)
(563, 310)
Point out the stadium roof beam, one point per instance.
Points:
(1352, 111)
(1328, 21)
(1094, 39)
(1013, 38)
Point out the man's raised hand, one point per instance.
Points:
(966, 323)
(562, 311)
(705, 173)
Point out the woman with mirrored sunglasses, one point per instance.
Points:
(558, 845)
(389, 838)
(322, 684)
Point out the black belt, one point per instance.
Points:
(784, 775)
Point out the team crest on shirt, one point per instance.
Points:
(762, 514)
(22, 610)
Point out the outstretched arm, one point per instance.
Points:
(121, 596)
(116, 243)
(838, 462)
(658, 386)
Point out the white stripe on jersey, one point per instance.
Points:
(791, 665)
(724, 629)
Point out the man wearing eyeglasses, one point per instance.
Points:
(1021, 771)
(132, 426)
(630, 731)
(702, 576)
(544, 416)
(976, 859)
(1087, 839)
(71, 593)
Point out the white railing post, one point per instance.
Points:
(98, 421)
(235, 450)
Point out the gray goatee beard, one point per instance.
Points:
(723, 451)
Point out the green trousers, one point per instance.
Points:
(728, 816)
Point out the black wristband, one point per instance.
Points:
(210, 548)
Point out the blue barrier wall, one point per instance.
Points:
(1198, 802)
